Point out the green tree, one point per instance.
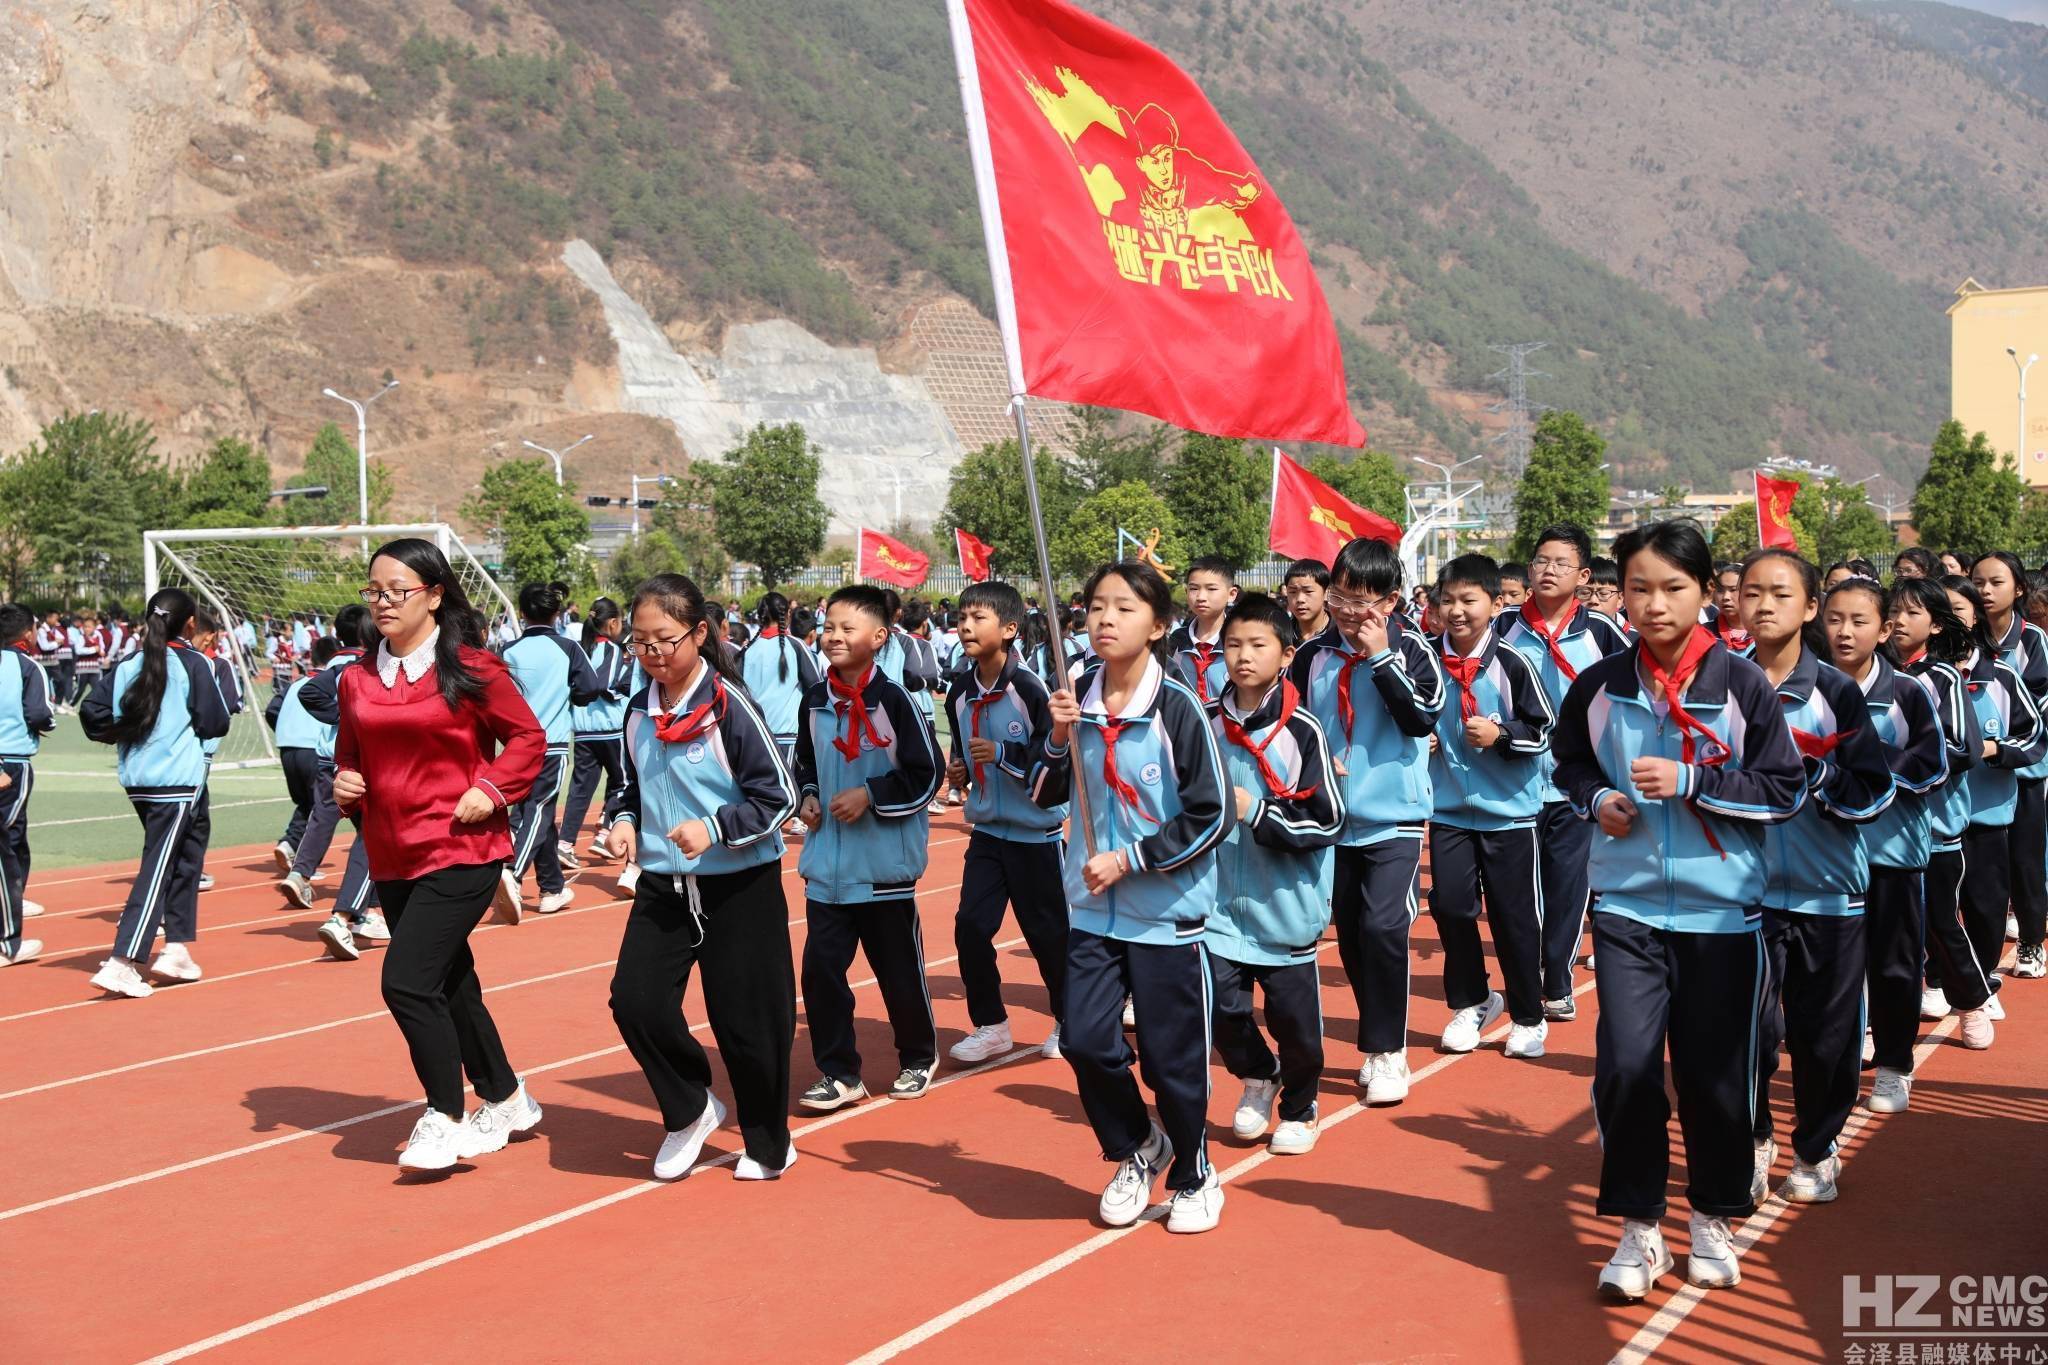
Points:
(1563, 482)
(644, 556)
(78, 499)
(2029, 528)
(331, 464)
(543, 528)
(986, 499)
(765, 497)
(1843, 523)
(1735, 537)
(1369, 479)
(1967, 498)
(1220, 494)
(1088, 537)
(1105, 457)
(685, 516)
(230, 486)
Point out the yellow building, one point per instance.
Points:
(1985, 384)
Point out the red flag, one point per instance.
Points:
(1774, 512)
(1312, 520)
(885, 560)
(974, 555)
(1140, 259)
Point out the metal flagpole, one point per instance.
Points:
(1006, 321)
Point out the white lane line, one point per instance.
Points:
(35, 825)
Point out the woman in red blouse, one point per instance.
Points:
(434, 744)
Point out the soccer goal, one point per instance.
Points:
(257, 578)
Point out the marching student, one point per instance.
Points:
(553, 675)
(298, 737)
(1817, 874)
(1157, 809)
(209, 639)
(997, 712)
(1561, 637)
(1275, 872)
(1486, 773)
(53, 639)
(1196, 644)
(705, 795)
(1724, 616)
(2001, 581)
(778, 671)
(25, 717)
(1514, 586)
(1679, 750)
(1603, 590)
(1916, 561)
(356, 919)
(1303, 587)
(1377, 688)
(2014, 739)
(1905, 715)
(599, 729)
(434, 747)
(867, 767)
(87, 656)
(160, 707)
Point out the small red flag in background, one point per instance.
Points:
(886, 560)
(1312, 520)
(974, 554)
(1774, 512)
(1150, 267)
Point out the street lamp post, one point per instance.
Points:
(1448, 471)
(658, 480)
(2019, 453)
(556, 455)
(362, 410)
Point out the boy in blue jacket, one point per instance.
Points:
(25, 717)
(997, 710)
(1377, 688)
(1274, 875)
(867, 767)
(1486, 772)
(1196, 644)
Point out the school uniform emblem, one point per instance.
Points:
(695, 753)
(1016, 729)
(1149, 774)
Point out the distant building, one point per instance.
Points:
(1984, 382)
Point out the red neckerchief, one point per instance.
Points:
(1112, 729)
(1814, 746)
(853, 706)
(670, 728)
(1238, 735)
(1712, 753)
(769, 632)
(24, 645)
(1729, 635)
(976, 706)
(1345, 711)
(1532, 617)
(1205, 654)
(1466, 671)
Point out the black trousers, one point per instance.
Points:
(431, 987)
(1951, 960)
(1565, 842)
(740, 937)
(1168, 984)
(165, 892)
(533, 829)
(1698, 993)
(14, 855)
(1501, 865)
(1987, 893)
(302, 785)
(66, 671)
(1812, 1004)
(1894, 933)
(889, 933)
(1001, 872)
(358, 894)
(1374, 907)
(2027, 842)
(597, 756)
(1294, 1013)
(83, 682)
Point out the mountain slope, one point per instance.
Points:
(2011, 53)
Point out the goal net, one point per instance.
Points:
(259, 580)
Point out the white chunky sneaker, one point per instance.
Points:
(1130, 1189)
(1385, 1077)
(118, 976)
(1760, 1172)
(31, 909)
(629, 881)
(491, 1125)
(1933, 1003)
(1712, 1264)
(679, 1150)
(1293, 1137)
(1255, 1109)
(28, 950)
(340, 941)
(175, 963)
(372, 929)
(285, 855)
(1891, 1092)
(1462, 1033)
(1813, 1184)
(505, 902)
(1526, 1040)
(1640, 1259)
(554, 902)
(1197, 1209)
(990, 1040)
(435, 1144)
(1993, 1010)
(1051, 1047)
(1977, 1031)
(746, 1168)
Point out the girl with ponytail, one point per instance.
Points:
(778, 671)
(160, 709)
(598, 725)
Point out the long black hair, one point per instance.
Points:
(603, 612)
(461, 623)
(1977, 632)
(1813, 637)
(773, 610)
(1950, 641)
(169, 612)
(683, 601)
(355, 627)
(540, 603)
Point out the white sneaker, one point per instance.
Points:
(746, 1168)
(1462, 1033)
(1196, 1210)
(990, 1040)
(1130, 1189)
(1385, 1077)
(297, 890)
(794, 829)
(1766, 1156)
(938, 806)
(1891, 1092)
(565, 853)
(490, 1126)
(1130, 1012)
(1640, 1259)
(206, 881)
(1813, 1184)
(1994, 1011)
(372, 929)
(28, 950)
(2012, 925)
(1712, 1264)
(1933, 1003)
(556, 901)
(1255, 1109)
(679, 1150)
(1526, 1040)
(629, 880)
(1562, 1011)
(31, 909)
(505, 905)
(117, 976)
(1051, 1047)
(1869, 1047)
(175, 963)
(435, 1144)
(341, 943)
(1294, 1137)
(1977, 1032)
(2028, 963)
(829, 1093)
(285, 855)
